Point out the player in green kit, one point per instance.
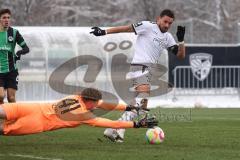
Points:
(9, 37)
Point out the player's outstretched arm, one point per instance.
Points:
(97, 31)
(120, 29)
(120, 106)
(107, 123)
(111, 106)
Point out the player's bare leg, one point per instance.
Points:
(141, 101)
(2, 117)
(11, 95)
(1, 127)
(141, 82)
(2, 113)
(117, 135)
(2, 95)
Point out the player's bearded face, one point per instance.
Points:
(5, 20)
(164, 23)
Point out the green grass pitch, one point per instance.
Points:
(209, 134)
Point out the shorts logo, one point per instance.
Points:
(10, 38)
(201, 65)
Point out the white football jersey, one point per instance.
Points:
(150, 42)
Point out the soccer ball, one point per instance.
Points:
(155, 135)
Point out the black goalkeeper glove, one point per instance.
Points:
(180, 33)
(146, 122)
(98, 31)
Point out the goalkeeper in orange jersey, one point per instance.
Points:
(72, 111)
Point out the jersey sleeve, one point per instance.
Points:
(107, 123)
(171, 40)
(20, 40)
(141, 27)
(111, 106)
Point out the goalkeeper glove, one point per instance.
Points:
(180, 33)
(98, 31)
(146, 122)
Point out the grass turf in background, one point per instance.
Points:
(194, 134)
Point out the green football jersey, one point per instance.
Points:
(8, 40)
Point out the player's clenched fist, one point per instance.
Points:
(98, 31)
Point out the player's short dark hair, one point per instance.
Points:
(91, 94)
(167, 12)
(4, 11)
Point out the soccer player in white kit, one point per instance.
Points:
(153, 38)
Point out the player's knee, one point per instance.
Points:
(11, 99)
(143, 88)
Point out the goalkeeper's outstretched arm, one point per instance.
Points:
(111, 106)
(107, 123)
(119, 106)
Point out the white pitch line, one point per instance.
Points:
(32, 157)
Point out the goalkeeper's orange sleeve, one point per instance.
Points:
(111, 106)
(107, 123)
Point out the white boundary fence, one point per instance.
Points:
(221, 80)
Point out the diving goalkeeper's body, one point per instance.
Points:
(72, 111)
